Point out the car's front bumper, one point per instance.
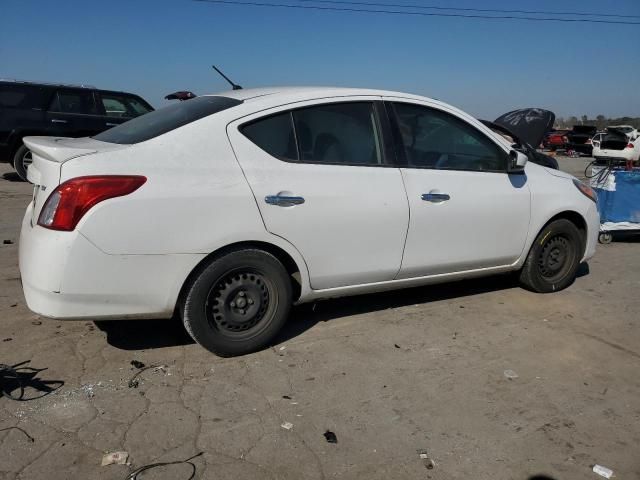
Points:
(65, 276)
(593, 229)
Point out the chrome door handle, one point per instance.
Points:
(109, 124)
(435, 197)
(283, 200)
(57, 120)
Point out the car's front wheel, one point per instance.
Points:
(238, 302)
(21, 161)
(554, 258)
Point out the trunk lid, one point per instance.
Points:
(48, 155)
(614, 140)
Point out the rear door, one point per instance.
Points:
(73, 113)
(323, 182)
(467, 213)
(117, 108)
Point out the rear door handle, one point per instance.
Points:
(283, 200)
(109, 124)
(435, 197)
(57, 120)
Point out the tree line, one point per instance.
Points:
(600, 121)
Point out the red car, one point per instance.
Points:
(555, 140)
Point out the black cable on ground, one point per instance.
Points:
(31, 439)
(134, 475)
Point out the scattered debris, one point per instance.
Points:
(31, 439)
(137, 364)
(134, 475)
(455, 335)
(330, 437)
(36, 322)
(286, 397)
(426, 461)
(13, 305)
(8, 339)
(510, 374)
(602, 471)
(396, 345)
(287, 425)
(461, 306)
(135, 383)
(7, 242)
(282, 347)
(115, 458)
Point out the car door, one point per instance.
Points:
(117, 108)
(73, 113)
(322, 181)
(467, 213)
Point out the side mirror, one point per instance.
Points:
(517, 161)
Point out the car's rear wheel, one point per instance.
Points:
(21, 161)
(554, 258)
(238, 303)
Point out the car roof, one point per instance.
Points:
(277, 94)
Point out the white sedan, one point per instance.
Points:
(225, 210)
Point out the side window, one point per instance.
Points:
(72, 101)
(274, 135)
(22, 96)
(338, 133)
(435, 139)
(114, 106)
(122, 105)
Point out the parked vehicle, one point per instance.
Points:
(555, 140)
(628, 130)
(525, 128)
(579, 139)
(28, 108)
(615, 145)
(228, 209)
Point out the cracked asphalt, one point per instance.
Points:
(412, 383)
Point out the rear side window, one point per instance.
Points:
(164, 120)
(22, 96)
(274, 135)
(122, 105)
(70, 101)
(337, 133)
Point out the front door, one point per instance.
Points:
(467, 213)
(322, 182)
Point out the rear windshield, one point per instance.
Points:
(17, 95)
(166, 119)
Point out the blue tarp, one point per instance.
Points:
(619, 200)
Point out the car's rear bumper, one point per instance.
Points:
(593, 229)
(65, 276)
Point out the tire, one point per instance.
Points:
(21, 161)
(554, 258)
(238, 303)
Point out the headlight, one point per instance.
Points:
(586, 190)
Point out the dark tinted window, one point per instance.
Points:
(166, 119)
(21, 96)
(338, 133)
(435, 139)
(274, 135)
(73, 101)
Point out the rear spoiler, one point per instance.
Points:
(51, 148)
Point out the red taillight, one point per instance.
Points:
(630, 145)
(72, 199)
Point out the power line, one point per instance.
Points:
(421, 14)
(461, 9)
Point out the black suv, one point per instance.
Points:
(57, 110)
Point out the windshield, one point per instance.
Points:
(624, 129)
(166, 119)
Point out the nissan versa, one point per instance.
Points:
(225, 210)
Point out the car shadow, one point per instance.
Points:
(150, 334)
(12, 177)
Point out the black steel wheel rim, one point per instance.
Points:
(240, 303)
(555, 258)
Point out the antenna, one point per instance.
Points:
(233, 85)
